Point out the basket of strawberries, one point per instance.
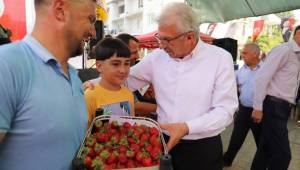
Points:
(122, 142)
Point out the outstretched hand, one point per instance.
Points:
(176, 131)
(88, 85)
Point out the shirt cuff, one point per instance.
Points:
(258, 105)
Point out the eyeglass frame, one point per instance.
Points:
(168, 40)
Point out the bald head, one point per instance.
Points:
(254, 48)
(250, 54)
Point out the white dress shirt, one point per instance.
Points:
(279, 76)
(199, 89)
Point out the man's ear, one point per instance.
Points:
(59, 9)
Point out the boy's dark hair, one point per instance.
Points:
(296, 29)
(126, 38)
(108, 47)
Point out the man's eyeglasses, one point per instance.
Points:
(161, 40)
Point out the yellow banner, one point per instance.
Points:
(101, 10)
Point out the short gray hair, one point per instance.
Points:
(254, 47)
(185, 16)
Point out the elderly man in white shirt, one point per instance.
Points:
(275, 89)
(194, 86)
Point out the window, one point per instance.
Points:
(121, 9)
(141, 3)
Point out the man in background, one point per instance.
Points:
(243, 118)
(275, 89)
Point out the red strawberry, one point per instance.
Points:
(126, 125)
(115, 138)
(147, 161)
(113, 157)
(88, 162)
(101, 137)
(122, 158)
(154, 140)
(97, 163)
(134, 147)
(98, 147)
(130, 140)
(130, 154)
(123, 141)
(154, 131)
(156, 153)
(90, 141)
(122, 149)
(114, 124)
(149, 148)
(139, 156)
(145, 136)
(130, 164)
(104, 154)
(98, 124)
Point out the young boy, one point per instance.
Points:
(113, 64)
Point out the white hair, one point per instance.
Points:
(185, 16)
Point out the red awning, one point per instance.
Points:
(148, 41)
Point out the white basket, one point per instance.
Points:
(122, 119)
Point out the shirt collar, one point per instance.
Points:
(39, 49)
(255, 68)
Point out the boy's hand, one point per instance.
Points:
(88, 85)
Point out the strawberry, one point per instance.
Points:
(156, 153)
(147, 161)
(98, 147)
(149, 148)
(122, 158)
(130, 164)
(123, 141)
(139, 156)
(122, 149)
(134, 147)
(88, 162)
(113, 157)
(101, 137)
(114, 124)
(97, 163)
(154, 140)
(98, 124)
(153, 131)
(126, 125)
(130, 154)
(115, 138)
(145, 136)
(104, 154)
(90, 141)
(130, 140)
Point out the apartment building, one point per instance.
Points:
(133, 16)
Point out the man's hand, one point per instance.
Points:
(2, 135)
(257, 116)
(176, 131)
(88, 85)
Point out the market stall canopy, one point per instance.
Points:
(148, 41)
(225, 10)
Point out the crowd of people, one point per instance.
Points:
(45, 109)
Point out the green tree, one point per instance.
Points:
(268, 40)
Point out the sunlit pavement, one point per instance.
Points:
(245, 156)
